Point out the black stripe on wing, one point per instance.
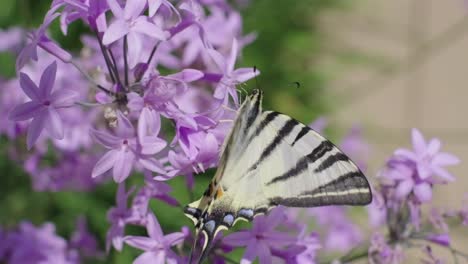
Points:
(287, 128)
(303, 164)
(349, 189)
(303, 132)
(330, 161)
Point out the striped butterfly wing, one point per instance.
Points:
(270, 159)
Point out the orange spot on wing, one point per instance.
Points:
(219, 193)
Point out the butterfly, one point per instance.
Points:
(270, 159)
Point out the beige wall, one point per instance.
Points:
(416, 76)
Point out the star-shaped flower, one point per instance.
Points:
(261, 238)
(157, 246)
(231, 77)
(43, 105)
(39, 38)
(125, 149)
(428, 158)
(129, 22)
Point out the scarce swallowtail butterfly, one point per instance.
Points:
(270, 159)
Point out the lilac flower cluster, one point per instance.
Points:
(30, 244)
(150, 96)
(405, 186)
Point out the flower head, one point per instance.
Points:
(157, 246)
(262, 238)
(43, 105)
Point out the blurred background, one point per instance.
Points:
(386, 66)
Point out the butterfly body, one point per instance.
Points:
(270, 159)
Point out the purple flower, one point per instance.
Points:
(39, 38)
(311, 243)
(43, 105)
(157, 246)
(412, 172)
(427, 158)
(437, 220)
(129, 22)
(319, 124)
(340, 233)
(377, 210)
(83, 240)
(355, 147)
(440, 239)
(11, 39)
(231, 77)
(118, 217)
(31, 245)
(125, 149)
(262, 238)
(91, 12)
(380, 252)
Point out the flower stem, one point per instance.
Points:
(100, 87)
(153, 51)
(106, 58)
(354, 254)
(125, 51)
(116, 70)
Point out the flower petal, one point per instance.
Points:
(244, 74)
(188, 75)
(35, 128)
(238, 239)
(419, 144)
(174, 238)
(133, 8)
(445, 159)
(218, 59)
(47, 80)
(404, 188)
(152, 164)
(264, 254)
(123, 165)
(433, 146)
(141, 25)
(152, 257)
(29, 87)
(153, 227)
(231, 62)
(153, 6)
(441, 172)
(117, 30)
(144, 243)
(406, 153)
(25, 111)
(105, 138)
(124, 128)
(63, 98)
(115, 8)
(105, 163)
(250, 253)
(54, 124)
(423, 192)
